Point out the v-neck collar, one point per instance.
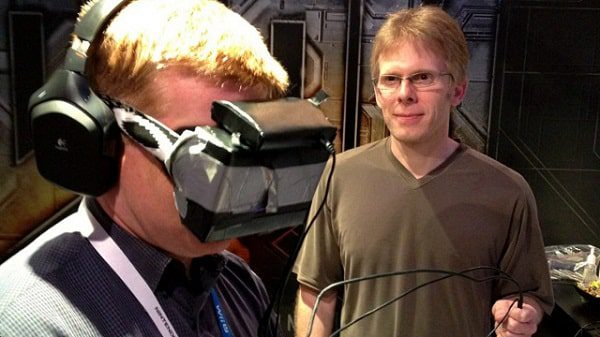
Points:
(411, 181)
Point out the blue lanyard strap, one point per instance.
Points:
(223, 326)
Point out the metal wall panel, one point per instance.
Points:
(546, 110)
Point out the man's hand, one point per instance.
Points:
(521, 322)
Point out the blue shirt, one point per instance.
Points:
(59, 286)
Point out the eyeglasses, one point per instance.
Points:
(389, 83)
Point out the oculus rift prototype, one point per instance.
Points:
(255, 172)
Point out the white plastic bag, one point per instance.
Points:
(568, 262)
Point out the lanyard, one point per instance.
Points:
(223, 326)
(118, 261)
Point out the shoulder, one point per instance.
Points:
(239, 271)
(52, 251)
(367, 157)
(237, 278)
(28, 279)
(34, 307)
(486, 178)
(366, 150)
(487, 168)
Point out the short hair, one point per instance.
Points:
(429, 25)
(201, 37)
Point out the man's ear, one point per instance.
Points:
(377, 97)
(458, 93)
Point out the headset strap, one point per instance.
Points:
(151, 134)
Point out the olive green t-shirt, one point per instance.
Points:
(471, 211)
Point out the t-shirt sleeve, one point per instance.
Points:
(318, 263)
(524, 257)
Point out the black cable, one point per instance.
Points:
(385, 304)
(503, 318)
(586, 327)
(287, 270)
(503, 275)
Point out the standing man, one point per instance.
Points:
(169, 60)
(420, 200)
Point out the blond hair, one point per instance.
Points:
(433, 28)
(201, 36)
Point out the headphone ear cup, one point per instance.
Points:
(76, 140)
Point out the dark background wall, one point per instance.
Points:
(533, 101)
(33, 38)
(545, 115)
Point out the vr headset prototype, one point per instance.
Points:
(254, 173)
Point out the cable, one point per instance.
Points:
(385, 304)
(449, 274)
(503, 275)
(287, 270)
(503, 318)
(292, 258)
(594, 325)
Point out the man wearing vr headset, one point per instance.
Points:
(169, 60)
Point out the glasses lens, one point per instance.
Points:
(422, 79)
(388, 82)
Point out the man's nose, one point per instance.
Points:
(406, 91)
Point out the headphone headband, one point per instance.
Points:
(86, 30)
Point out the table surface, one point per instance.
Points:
(580, 310)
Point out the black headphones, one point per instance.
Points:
(76, 140)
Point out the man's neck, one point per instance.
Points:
(420, 159)
(108, 202)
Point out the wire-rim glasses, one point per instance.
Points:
(387, 83)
